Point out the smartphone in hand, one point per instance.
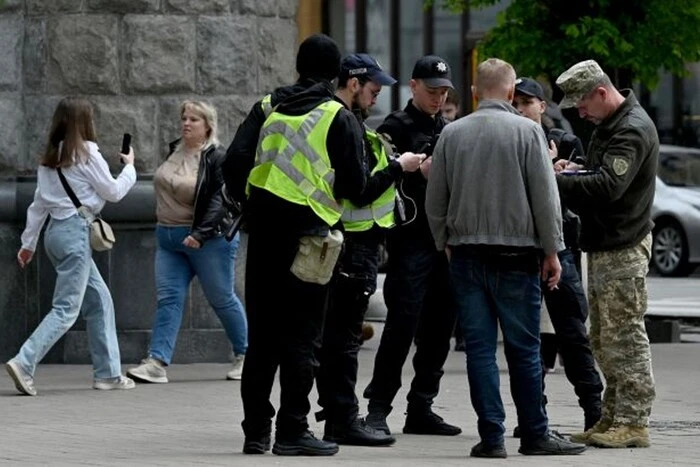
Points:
(126, 145)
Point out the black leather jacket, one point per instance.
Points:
(209, 211)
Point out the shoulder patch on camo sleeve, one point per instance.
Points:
(620, 166)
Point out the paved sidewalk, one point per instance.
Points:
(195, 420)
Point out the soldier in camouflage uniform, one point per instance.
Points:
(613, 197)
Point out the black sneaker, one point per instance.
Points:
(492, 452)
(428, 423)
(358, 433)
(551, 445)
(306, 444)
(377, 420)
(258, 445)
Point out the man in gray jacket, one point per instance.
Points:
(493, 206)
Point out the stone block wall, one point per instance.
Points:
(136, 60)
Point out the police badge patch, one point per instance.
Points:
(620, 166)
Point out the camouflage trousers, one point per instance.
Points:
(617, 294)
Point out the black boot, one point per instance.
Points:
(428, 423)
(306, 444)
(377, 420)
(256, 445)
(357, 433)
(490, 452)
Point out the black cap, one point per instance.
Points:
(318, 57)
(355, 65)
(529, 87)
(434, 71)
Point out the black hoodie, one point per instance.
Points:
(345, 150)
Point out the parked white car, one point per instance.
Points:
(676, 212)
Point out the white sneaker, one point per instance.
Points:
(23, 382)
(237, 372)
(120, 382)
(149, 371)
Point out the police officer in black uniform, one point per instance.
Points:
(567, 305)
(285, 313)
(416, 290)
(366, 220)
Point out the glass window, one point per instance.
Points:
(411, 39)
(448, 44)
(379, 47)
(483, 19)
(679, 168)
(690, 111)
(341, 24)
(661, 110)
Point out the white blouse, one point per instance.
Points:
(92, 183)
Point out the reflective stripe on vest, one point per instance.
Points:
(266, 105)
(381, 210)
(292, 161)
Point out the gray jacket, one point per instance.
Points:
(492, 183)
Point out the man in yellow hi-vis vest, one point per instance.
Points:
(365, 220)
(297, 155)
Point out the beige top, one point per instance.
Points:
(175, 184)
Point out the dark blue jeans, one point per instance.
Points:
(492, 289)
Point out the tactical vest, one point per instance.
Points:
(381, 210)
(292, 161)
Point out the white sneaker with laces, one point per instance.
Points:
(150, 370)
(237, 372)
(23, 382)
(120, 382)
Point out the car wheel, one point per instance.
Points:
(670, 250)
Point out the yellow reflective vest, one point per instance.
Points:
(381, 210)
(292, 161)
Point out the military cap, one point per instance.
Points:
(578, 81)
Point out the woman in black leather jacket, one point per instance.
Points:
(190, 242)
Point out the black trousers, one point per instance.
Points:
(285, 322)
(354, 282)
(419, 302)
(568, 310)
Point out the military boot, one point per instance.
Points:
(622, 436)
(600, 427)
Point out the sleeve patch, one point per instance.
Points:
(620, 166)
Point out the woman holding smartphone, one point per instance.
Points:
(71, 149)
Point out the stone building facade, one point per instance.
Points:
(135, 60)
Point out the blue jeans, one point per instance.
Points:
(492, 289)
(79, 287)
(176, 266)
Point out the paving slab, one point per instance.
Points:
(195, 420)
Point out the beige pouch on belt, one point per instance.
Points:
(317, 257)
